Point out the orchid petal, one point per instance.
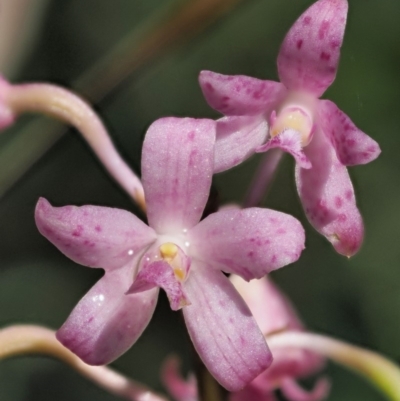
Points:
(289, 141)
(310, 52)
(177, 386)
(270, 307)
(223, 330)
(177, 168)
(352, 145)
(239, 95)
(250, 242)
(160, 274)
(327, 195)
(294, 392)
(106, 322)
(237, 139)
(93, 236)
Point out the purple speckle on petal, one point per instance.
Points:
(209, 87)
(299, 43)
(338, 202)
(98, 228)
(307, 20)
(325, 56)
(323, 29)
(78, 231)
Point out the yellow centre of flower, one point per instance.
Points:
(293, 118)
(168, 252)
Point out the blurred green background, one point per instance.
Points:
(357, 300)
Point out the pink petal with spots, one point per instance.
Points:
(250, 242)
(327, 195)
(223, 330)
(352, 145)
(294, 392)
(177, 168)
(237, 139)
(240, 95)
(160, 274)
(310, 52)
(93, 236)
(270, 307)
(289, 141)
(106, 322)
(177, 386)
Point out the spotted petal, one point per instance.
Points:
(106, 322)
(327, 195)
(237, 139)
(250, 242)
(177, 167)
(240, 95)
(310, 52)
(289, 141)
(352, 145)
(93, 236)
(223, 330)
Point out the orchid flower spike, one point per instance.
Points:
(177, 252)
(290, 116)
(274, 314)
(64, 105)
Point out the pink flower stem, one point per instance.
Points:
(374, 367)
(68, 107)
(263, 178)
(25, 339)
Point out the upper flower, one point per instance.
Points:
(290, 116)
(175, 252)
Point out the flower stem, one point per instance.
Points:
(25, 339)
(383, 373)
(263, 177)
(68, 107)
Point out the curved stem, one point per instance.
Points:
(379, 370)
(68, 107)
(25, 339)
(263, 177)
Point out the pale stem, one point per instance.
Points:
(68, 107)
(25, 340)
(263, 177)
(374, 367)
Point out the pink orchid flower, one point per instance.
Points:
(290, 116)
(275, 314)
(176, 252)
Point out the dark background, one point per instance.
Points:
(357, 300)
